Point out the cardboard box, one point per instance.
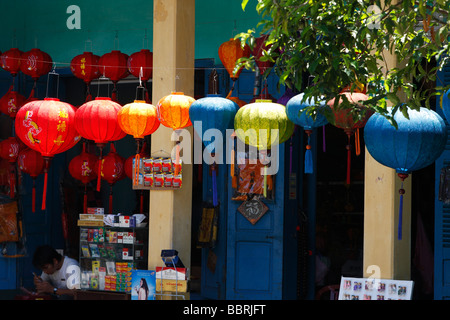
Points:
(171, 285)
(90, 216)
(171, 273)
(90, 223)
(95, 210)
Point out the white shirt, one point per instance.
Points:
(67, 277)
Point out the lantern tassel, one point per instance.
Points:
(402, 176)
(33, 196)
(114, 92)
(44, 194)
(110, 199)
(141, 202)
(85, 199)
(99, 172)
(349, 159)
(265, 182)
(177, 159)
(232, 172)
(12, 181)
(308, 155)
(357, 143)
(214, 185)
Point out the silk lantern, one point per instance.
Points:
(9, 150)
(173, 112)
(297, 112)
(35, 63)
(97, 120)
(140, 65)
(47, 126)
(113, 65)
(111, 169)
(416, 144)
(138, 119)
(11, 102)
(85, 66)
(213, 112)
(81, 167)
(10, 61)
(31, 162)
(343, 119)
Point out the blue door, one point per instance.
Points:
(442, 215)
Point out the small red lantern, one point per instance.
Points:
(111, 169)
(11, 102)
(258, 52)
(9, 150)
(85, 67)
(81, 168)
(47, 126)
(35, 63)
(113, 65)
(32, 163)
(97, 120)
(11, 61)
(140, 65)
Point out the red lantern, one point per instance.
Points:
(111, 169)
(140, 65)
(113, 65)
(258, 51)
(11, 102)
(47, 126)
(97, 120)
(9, 150)
(11, 61)
(343, 119)
(35, 63)
(81, 168)
(85, 67)
(32, 163)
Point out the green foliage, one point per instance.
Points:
(347, 43)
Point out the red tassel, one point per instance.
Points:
(137, 160)
(85, 199)
(349, 160)
(99, 172)
(44, 195)
(141, 202)
(110, 201)
(177, 160)
(33, 197)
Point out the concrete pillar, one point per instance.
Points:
(173, 61)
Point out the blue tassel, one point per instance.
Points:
(400, 218)
(308, 158)
(214, 186)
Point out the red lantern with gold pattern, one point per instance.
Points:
(11, 102)
(31, 162)
(140, 65)
(10, 60)
(81, 167)
(111, 170)
(35, 63)
(113, 65)
(47, 126)
(85, 67)
(9, 150)
(97, 120)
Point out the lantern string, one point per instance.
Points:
(357, 143)
(308, 155)
(85, 199)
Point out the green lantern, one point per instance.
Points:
(263, 124)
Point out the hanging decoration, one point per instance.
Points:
(81, 167)
(113, 65)
(85, 66)
(35, 63)
(138, 119)
(47, 126)
(258, 53)
(173, 112)
(11, 102)
(32, 163)
(111, 169)
(10, 61)
(416, 144)
(213, 112)
(343, 119)
(97, 120)
(9, 150)
(297, 112)
(140, 65)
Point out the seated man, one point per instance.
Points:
(60, 274)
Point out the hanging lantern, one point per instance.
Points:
(343, 119)
(113, 65)
(9, 150)
(32, 163)
(214, 112)
(11, 102)
(97, 120)
(258, 52)
(10, 60)
(81, 167)
(287, 95)
(85, 67)
(47, 126)
(262, 124)
(35, 63)
(297, 113)
(416, 144)
(229, 53)
(140, 65)
(111, 169)
(138, 119)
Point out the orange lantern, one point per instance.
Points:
(173, 112)
(32, 163)
(138, 119)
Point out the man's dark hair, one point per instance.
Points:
(45, 255)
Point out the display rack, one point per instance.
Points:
(171, 260)
(108, 254)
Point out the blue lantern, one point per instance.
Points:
(214, 112)
(416, 144)
(297, 113)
